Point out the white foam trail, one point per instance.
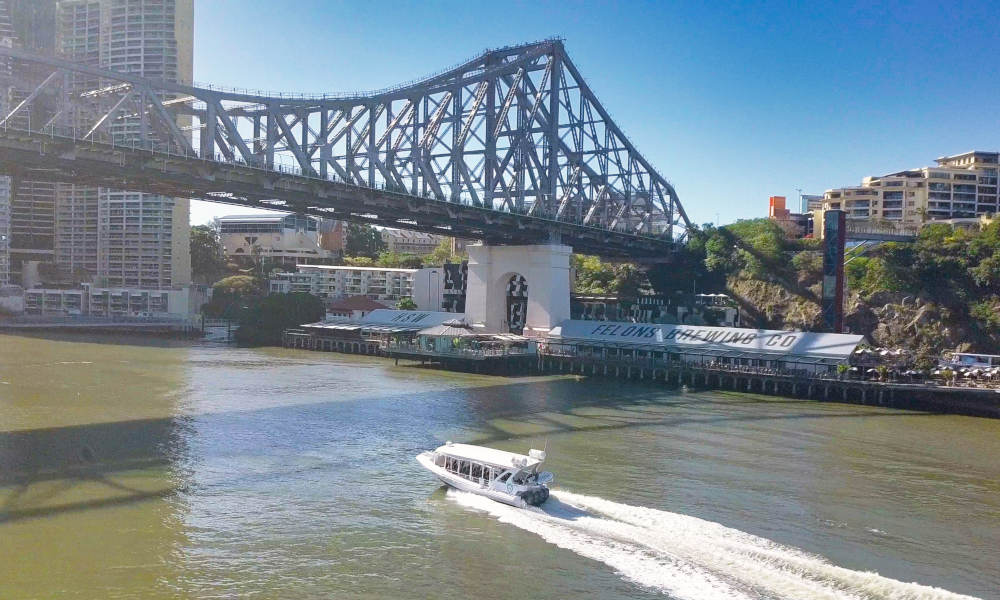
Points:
(691, 558)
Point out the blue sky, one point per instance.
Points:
(730, 102)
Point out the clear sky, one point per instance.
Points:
(732, 103)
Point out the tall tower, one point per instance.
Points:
(6, 39)
(153, 38)
(127, 239)
(30, 204)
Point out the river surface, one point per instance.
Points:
(172, 470)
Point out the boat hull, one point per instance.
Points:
(426, 460)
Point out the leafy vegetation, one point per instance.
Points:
(406, 303)
(262, 322)
(208, 262)
(597, 278)
(363, 240)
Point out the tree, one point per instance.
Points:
(363, 240)
(230, 293)
(237, 284)
(263, 322)
(406, 303)
(395, 260)
(443, 254)
(208, 262)
(595, 277)
(359, 261)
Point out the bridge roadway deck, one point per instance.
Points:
(46, 157)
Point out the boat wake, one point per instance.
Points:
(690, 558)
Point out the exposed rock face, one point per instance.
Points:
(771, 306)
(886, 319)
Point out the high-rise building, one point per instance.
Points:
(31, 204)
(115, 238)
(142, 240)
(6, 39)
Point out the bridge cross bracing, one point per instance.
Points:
(511, 146)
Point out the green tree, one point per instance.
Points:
(442, 254)
(593, 277)
(238, 284)
(230, 293)
(598, 278)
(406, 303)
(263, 321)
(399, 261)
(359, 261)
(363, 240)
(208, 261)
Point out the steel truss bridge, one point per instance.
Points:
(509, 147)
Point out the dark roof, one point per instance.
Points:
(356, 303)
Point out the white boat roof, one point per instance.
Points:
(492, 456)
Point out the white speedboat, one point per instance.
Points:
(503, 476)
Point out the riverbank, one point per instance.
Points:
(713, 375)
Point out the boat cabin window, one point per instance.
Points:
(471, 470)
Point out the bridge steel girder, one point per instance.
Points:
(50, 158)
(510, 146)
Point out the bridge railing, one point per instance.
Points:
(887, 228)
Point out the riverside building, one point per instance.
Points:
(426, 287)
(92, 301)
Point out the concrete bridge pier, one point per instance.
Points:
(518, 288)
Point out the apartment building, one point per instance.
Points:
(31, 204)
(425, 286)
(280, 239)
(959, 186)
(92, 301)
(118, 239)
(4, 231)
(410, 242)
(6, 39)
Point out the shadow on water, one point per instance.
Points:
(55, 460)
(37, 466)
(142, 338)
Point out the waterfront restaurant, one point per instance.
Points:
(458, 344)
(367, 334)
(726, 347)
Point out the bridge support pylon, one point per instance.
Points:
(519, 289)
